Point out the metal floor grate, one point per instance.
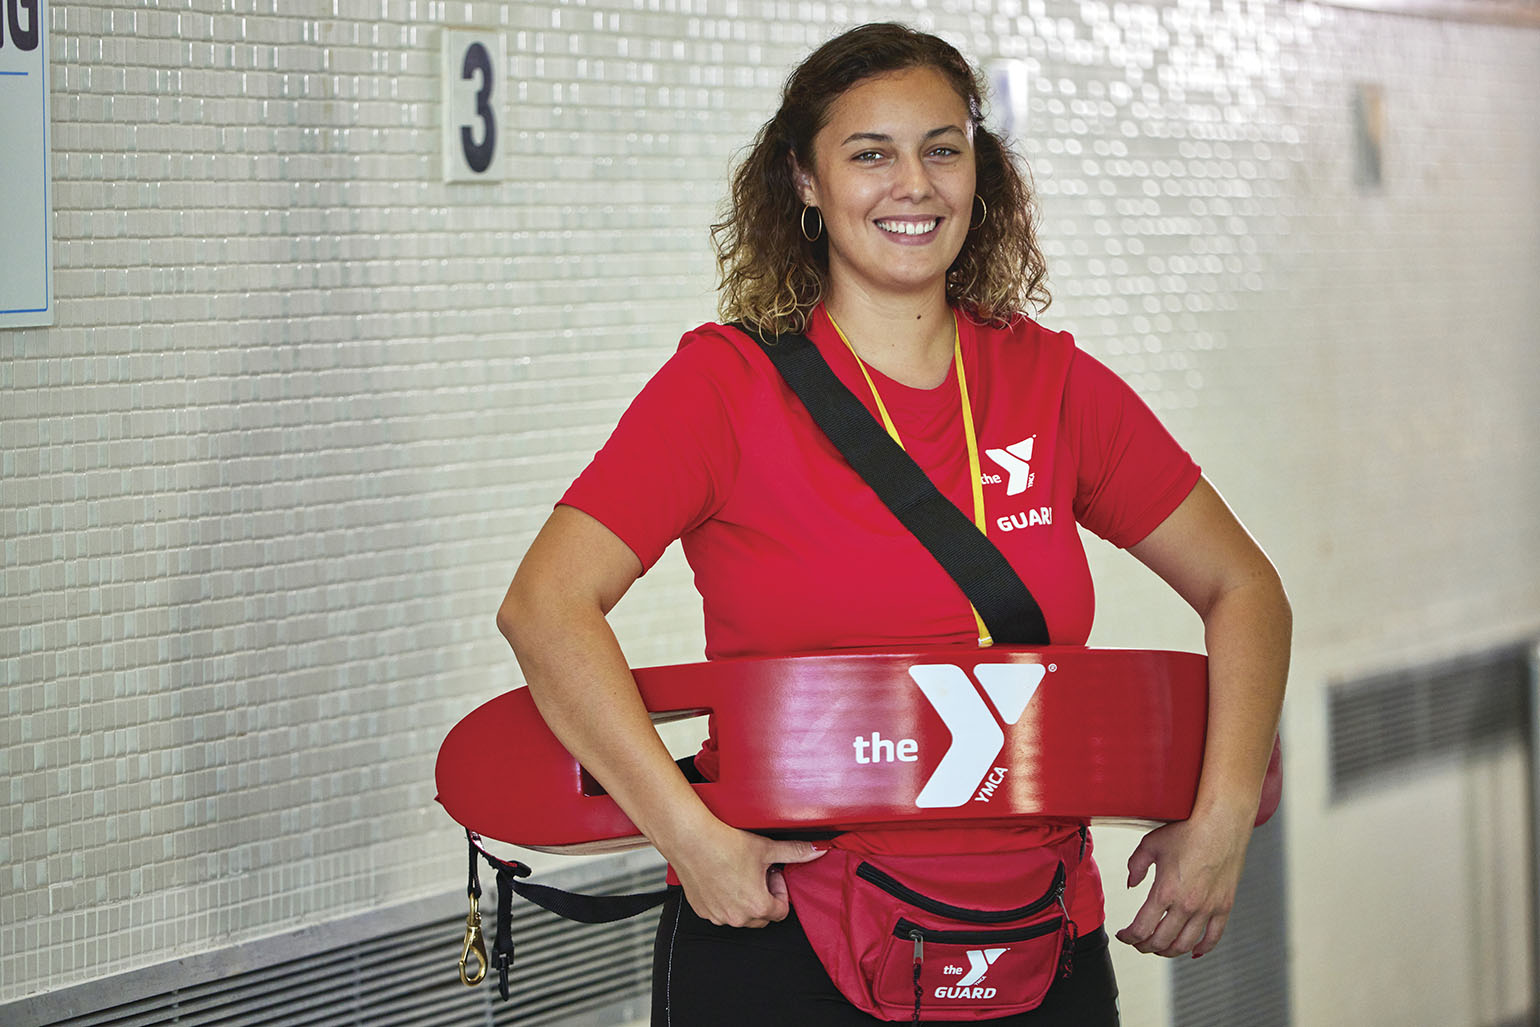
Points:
(564, 973)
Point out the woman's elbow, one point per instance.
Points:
(1271, 583)
(1257, 594)
(517, 613)
(540, 609)
(1265, 603)
(574, 572)
(507, 617)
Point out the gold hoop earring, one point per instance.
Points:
(814, 237)
(983, 217)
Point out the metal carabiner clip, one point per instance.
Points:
(473, 946)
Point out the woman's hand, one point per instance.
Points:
(733, 878)
(1198, 866)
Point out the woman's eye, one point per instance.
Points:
(867, 156)
(944, 151)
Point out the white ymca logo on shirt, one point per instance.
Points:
(1015, 460)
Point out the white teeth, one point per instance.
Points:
(907, 227)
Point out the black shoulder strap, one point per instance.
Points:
(979, 568)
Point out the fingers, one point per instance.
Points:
(1144, 925)
(1172, 931)
(743, 913)
(796, 852)
(1190, 934)
(783, 853)
(1197, 868)
(1139, 863)
(1216, 927)
(748, 889)
(777, 887)
(1163, 936)
(1176, 917)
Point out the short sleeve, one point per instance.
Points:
(1131, 473)
(671, 460)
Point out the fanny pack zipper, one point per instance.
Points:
(899, 890)
(918, 934)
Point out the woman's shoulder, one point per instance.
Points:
(713, 343)
(714, 354)
(1021, 339)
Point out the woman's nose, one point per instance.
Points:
(911, 179)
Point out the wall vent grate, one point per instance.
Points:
(564, 973)
(1381, 726)
(1245, 979)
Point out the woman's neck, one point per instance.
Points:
(909, 341)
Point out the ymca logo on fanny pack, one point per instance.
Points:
(979, 962)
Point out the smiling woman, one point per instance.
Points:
(892, 168)
(772, 247)
(879, 217)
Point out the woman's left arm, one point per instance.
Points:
(1205, 554)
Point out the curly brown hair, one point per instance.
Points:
(772, 275)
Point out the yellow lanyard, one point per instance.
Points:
(974, 473)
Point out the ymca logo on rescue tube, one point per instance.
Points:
(976, 737)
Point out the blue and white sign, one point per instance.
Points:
(26, 270)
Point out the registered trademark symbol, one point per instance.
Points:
(1052, 667)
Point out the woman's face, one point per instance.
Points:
(893, 176)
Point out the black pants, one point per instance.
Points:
(706, 976)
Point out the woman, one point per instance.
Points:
(879, 216)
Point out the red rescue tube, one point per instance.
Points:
(959, 736)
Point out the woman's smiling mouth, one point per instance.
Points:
(909, 227)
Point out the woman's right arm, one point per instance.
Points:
(554, 618)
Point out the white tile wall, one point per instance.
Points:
(304, 406)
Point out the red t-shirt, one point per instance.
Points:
(793, 552)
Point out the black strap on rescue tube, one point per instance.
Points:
(587, 909)
(983, 573)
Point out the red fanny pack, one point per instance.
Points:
(970, 937)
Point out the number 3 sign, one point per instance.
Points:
(474, 60)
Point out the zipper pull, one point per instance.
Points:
(919, 959)
(1067, 949)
